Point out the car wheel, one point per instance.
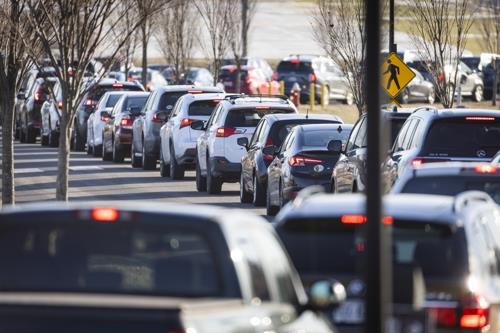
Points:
(214, 184)
(97, 151)
(135, 161)
(105, 155)
(118, 154)
(349, 99)
(271, 210)
(53, 139)
(148, 161)
(245, 196)
(176, 170)
(259, 193)
(164, 169)
(201, 181)
(478, 94)
(431, 98)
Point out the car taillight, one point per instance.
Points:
(475, 313)
(485, 168)
(156, 118)
(105, 214)
(360, 219)
(298, 160)
(195, 91)
(117, 85)
(88, 102)
(312, 77)
(104, 118)
(480, 118)
(416, 162)
(126, 121)
(38, 96)
(224, 132)
(185, 122)
(445, 317)
(59, 105)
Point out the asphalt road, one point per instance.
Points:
(95, 180)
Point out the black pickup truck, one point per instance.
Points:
(84, 268)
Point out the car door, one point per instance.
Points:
(274, 173)
(168, 130)
(203, 140)
(248, 160)
(342, 175)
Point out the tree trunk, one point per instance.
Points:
(62, 181)
(238, 74)
(244, 27)
(144, 54)
(494, 90)
(8, 190)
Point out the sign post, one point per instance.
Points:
(396, 75)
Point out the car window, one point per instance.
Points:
(354, 133)
(112, 99)
(243, 117)
(263, 133)
(294, 66)
(360, 140)
(417, 136)
(409, 135)
(177, 107)
(168, 100)
(399, 144)
(202, 108)
(320, 138)
(118, 106)
(255, 136)
(287, 140)
(135, 103)
(151, 100)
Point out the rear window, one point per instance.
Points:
(435, 248)
(455, 137)
(280, 129)
(230, 75)
(453, 185)
(136, 103)
(320, 138)
(168, 100)
(97, 92)
(295, 66)
(146, 260)
(202, 108)
(249, 117)
(112, 100)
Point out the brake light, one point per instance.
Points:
(302, 161)
(38, 96)
(194, 91)
(360, 219)
(312, 77)
(294, 61)
(156, 118)
(88, 102)
(485, 168)
(117, 85)
(480, 118)
(262, 107)
(416, 162)
(224, 132)
(475, 313)
(59, 105)
(185, 122)
(126, 121)
(105, 214)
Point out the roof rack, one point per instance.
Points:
(282, 97)
(426, 108)
(306, 193)
(465, 198)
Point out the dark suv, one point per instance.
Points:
(95, 90)
(432, 135)
(349, 174)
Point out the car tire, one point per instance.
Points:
(214, 184)
(135, 161)
(97, 151)
(44, 140)
(478, 94)
(176, 170)
(245, 196)
(201, 181)
(53, 139)
(105, 155)
(148, 161)
(118, 154)
(164, 169)
(30, 135)
(270, 209)
(259, 193)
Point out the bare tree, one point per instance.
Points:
(440, 29)
(490, 29)
(71, 32)
(176, 34)
(217, 17)
(125, 26)
(13, 66)
(339, 27)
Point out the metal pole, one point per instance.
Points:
(392, 46)
(377, 254)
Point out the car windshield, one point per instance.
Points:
(453, 185)
(202, 108)
(249, 117)
(320, 138)
(469, 137)
(435, 248)
(472, 62)
(107, 258)
(295, 66)
(168, 100)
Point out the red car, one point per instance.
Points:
(253, 81)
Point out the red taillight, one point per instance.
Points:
(485, 168)
(38, 96)
(360, 219)
(302, 161)
(416, 162)
(185, 122)
(88, 102)
(480, 118)
(262, 107)
(224, 132)
(475, 313)
(105, 214)
(117, 85)
(156, 118)
(59, 105)
(312, 77)
(445, 317)
(194, 91)
(104, 118)
(126, 122)
(269, 142)
(294, 61)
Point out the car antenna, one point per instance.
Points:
(307, 113)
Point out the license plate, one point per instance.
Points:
(228, 84)
(350, 312)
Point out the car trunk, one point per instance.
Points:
(318, 163)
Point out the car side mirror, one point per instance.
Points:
(21, 95)
(326, 295)
(270, 150)
(198, 125)
(335, 146)
(242, 142)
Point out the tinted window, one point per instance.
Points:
(396, 124)
(168, 100)
(112, 100)
(145, 260)
(98, 91)
(280, 129)
(135, 103)
(295, 66)
(454, 137)
(248, 117)
(453, 185)
(360, 140)
(322, 137)
(354, 134)
(230, 75)
(202, 108)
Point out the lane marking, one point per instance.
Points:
(27, 170)
(85, 168)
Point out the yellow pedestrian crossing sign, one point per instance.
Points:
(395, 75)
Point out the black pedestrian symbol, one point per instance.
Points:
(394, 70)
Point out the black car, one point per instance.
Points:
(271, 131)
(489, 80)
(117, 132)
(95, 90)
(151, 268)
(433, 135)
(306, 158)
(349, 174)
(145, 149)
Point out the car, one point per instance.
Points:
(252, 81)
(440, 135)
(97, 120)
(305, 70)
(418, 90)
(116, 267)
(29, 99)
(349, 174)
(117, 131)
(199, 76)
(116, 75)
(93, 93)
(451, 241)
(218, 155)
(253, 62)
(489, 81)
(271, 131)
(167, 71)
(306, 158)
(178, 139)
(145, 150)
(154, 78)
(450, 178)
(51, 116)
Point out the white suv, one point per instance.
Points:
(178, 139)
(218, 155)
